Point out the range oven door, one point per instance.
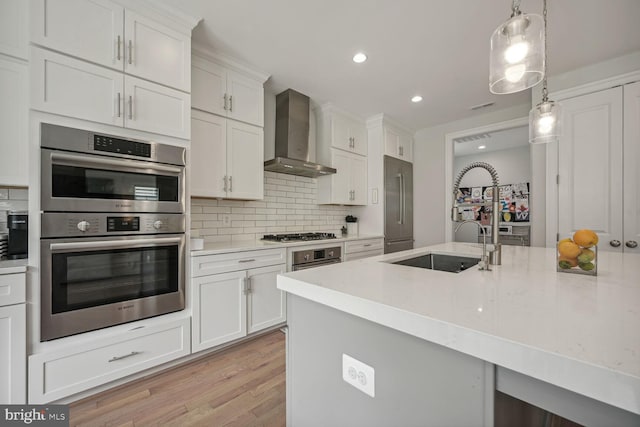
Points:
(92, 283)
(93, 183)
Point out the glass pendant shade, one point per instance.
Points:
(517, 54)
(544, 123)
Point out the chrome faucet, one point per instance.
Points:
(484, 261)
(495, 255)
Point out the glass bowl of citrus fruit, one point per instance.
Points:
(579, 254)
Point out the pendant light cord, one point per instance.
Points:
(545, 92)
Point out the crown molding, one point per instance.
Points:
(165, 13)
(383, 119)
(329, 107)
(206, 53)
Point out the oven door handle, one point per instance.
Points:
(115, 244)
(72, 160)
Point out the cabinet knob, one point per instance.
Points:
(631, 244)
(615, 243)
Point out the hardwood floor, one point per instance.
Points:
(240, 386)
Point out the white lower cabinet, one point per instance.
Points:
(13, 354)
(365, 248)
(237, 300)
(75, 368)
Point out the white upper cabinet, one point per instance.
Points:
(208, 155)
(14, 111)
(348, 186)
(220, 90)
(631, 168)
(590, 159)
(14, 37)
(340, 130)
(245, 157)
(398, 144)
(105, 33)
(157, 53)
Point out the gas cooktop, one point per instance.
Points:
(298, 237)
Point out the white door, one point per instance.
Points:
(88, 29)
(153, 108)
(358, 180)
(340, 132)
(266, 304)
(246, 99)
(632, 168)
(590, 167)
(157, 53)
(359, 134)
(14, 111)
(208, 155)
(14, 34)
(391, 143)
(208, 87)
(219, 309)
(341, 180)
(245, 159)
(66, 86)
(13, 354)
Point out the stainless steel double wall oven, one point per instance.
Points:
(112, 242)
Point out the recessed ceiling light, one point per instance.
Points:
(481, 147)
(359, 58)
(416, 98)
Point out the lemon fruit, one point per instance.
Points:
(565, 240)
(587, 266)
(585, 238)
(569, 250)
(565, 263)
(586, 255)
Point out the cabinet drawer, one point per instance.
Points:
(363, 245)
(223, 263)
(12, 289)
(78, 368)
(361, 255)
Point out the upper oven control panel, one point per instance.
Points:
(76, 224)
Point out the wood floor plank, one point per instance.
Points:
(240, 386)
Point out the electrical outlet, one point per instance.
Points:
(226, 220)
(358, 374)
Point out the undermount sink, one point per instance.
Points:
(441, 262)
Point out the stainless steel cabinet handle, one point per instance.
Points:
(245, 287)
(231, 103)
(118, 47)
(246, 260)
(249, 290)
(130, 52)
(225, 184)
(115, 358)
(615, 243)
(230, 183)
(631, 244)
(367, 245)
(225, 102)
(130, 107)
(401, 151)
(119, 112)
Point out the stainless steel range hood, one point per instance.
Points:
(292, 138)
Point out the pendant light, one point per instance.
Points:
(517, 53)
(544, 119)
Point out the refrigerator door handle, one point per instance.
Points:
(400, 200)
(404, 199)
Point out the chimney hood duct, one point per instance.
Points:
(292, 138)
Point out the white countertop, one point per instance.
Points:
(225, 247)
(13, 266)
(578, 332)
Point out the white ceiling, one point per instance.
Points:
(439, 49)
(493, 141)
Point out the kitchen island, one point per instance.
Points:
(442, 342)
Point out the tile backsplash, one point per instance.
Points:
(12, 199)
(289, 206)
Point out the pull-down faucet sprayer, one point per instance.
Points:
(495, 256)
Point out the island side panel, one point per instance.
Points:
(417, 383)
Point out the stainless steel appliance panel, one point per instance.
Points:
(398, 204)
(84, 224)
(96, 282)
(315, 264)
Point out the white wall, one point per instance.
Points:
(513, 166)
(429, 169)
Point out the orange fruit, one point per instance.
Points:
(585, 238)
(569, 249)
(566, 262)
(565, 240)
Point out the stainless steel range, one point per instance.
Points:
(298, 237)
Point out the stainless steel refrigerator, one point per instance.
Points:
(398, 205)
